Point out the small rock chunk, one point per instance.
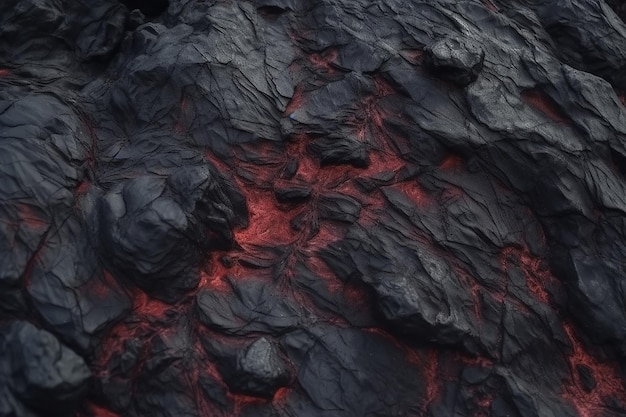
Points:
(455, 60)
(257, 370)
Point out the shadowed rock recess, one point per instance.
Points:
(295, 208)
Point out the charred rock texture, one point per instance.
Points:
(337, 208)
(455, 60)
(155, 230)
(37, 372)
(256, 370)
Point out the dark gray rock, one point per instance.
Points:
(323, 350)
(155, 230)
(257, 370)
(252, 306)
(339, 207)
(455, 59)
(416, 291)
(292, 193)
(337, 151)
(422, 203)
(39, 371)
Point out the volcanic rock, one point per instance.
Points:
(340, 208)
(456, 60)
(292, 193)
(38, 372)
(251, 306)
(154, 229)
(257, 370)
(337, 151)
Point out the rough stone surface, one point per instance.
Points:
(257, 370)
(38, 373)
(456, 60)
(336, 208)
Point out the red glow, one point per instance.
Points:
(280, 396)
(474, 360)
(268, 224)
(221, 165)
(242, 400)
(609, 384)
(451, 193)
(4, 72)
(214, 275)
(417, 359)
(204, 406)
(325, 60)
(535, 271)
(82, 187)
(112, 344)
(145, 305)
(357, 295)
(308, 167)
(97, 411)
(484, 401)
(588, 404)
(544, 103)
(370, 120)
(414, 56)
(414, 192)
(451, 162)
(180, 124)
(383, 161)
(256, 168)
(470, 282)
(296, 100)
(101, 287)
(491, 5)
(432, 378)
(28, 217)
(383, 88)
(327, 234)
(28, 269)
(214, 282)
(319, 267)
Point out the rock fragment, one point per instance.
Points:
(455, 59)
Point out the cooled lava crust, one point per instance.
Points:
(294, 208)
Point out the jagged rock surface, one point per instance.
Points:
(342, 208)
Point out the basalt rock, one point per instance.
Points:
(270, 208)
(155, 231)
(38, 374)
(256, 370)
(455, 60)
